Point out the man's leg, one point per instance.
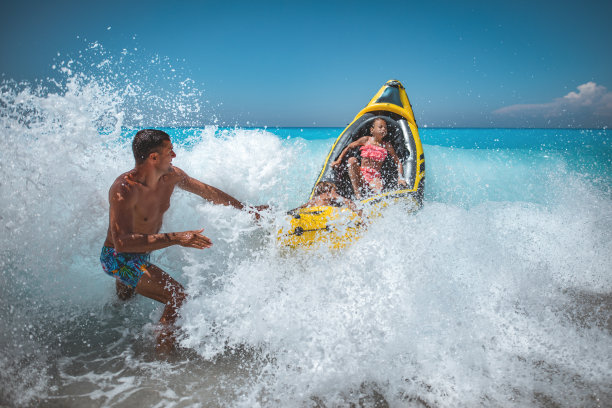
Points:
(158, 285)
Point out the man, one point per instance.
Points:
(138, 200)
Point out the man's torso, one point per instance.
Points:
(149, 204)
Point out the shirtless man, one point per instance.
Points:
(138, 200)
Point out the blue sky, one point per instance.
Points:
(316, 63)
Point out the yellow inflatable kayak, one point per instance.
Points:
(310, 225)
(332, 227)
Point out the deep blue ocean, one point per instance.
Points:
(497, 293)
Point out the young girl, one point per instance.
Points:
(374, 151)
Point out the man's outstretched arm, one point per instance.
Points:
(207, 192)
(210, 193)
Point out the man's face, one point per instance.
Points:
(165, 156)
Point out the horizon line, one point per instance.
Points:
(343, 127)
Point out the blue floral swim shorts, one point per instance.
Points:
(126, 267)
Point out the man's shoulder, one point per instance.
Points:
(177, 172)
(175, 176)
(124, 185)
(125, 180)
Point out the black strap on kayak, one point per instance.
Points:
(299, 230)
(297, 215)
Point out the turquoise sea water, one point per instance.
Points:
(497, 293)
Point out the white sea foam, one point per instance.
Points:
(454, 307)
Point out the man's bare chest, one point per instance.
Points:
(152, 204)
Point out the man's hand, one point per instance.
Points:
(191, 239)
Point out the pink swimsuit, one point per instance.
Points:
(376, 153)
(370, 175)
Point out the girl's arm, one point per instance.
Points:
(359, 142)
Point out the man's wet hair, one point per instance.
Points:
(324, 187)
(146, 142)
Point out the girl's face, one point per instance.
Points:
(379, 129)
